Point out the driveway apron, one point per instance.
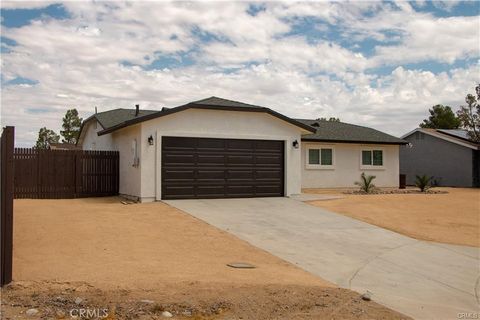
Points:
(424, 280)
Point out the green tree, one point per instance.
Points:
(45, 137)
(441, 117)
(469, 115)
(71, 126)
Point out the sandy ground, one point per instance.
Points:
(452, 218)
(113, 256)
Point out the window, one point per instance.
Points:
(326, 157)
(313, 156)
(372, 158)
(320, 158)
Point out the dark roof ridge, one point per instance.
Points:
(350, 124)
(215, 105)
(227, 100)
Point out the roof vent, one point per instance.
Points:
(137, 110)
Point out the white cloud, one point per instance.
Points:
(442, 39)
(78, 62)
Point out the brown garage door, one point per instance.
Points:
(221, 168)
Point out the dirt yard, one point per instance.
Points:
(138, 260)
(453, 217)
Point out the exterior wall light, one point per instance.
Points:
(150, 140)
(295, 144)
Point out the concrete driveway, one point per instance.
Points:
(424, 280)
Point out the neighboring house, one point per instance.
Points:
(216, 148)
(449, 156)
(63, 146)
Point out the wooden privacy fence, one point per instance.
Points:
(6, 210)
(59, 174)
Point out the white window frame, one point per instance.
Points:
(319, 166)
(372, 167)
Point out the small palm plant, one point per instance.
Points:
(366, 183)
(423, 182)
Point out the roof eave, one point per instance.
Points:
(355, 141)
(210, 107)
(446, 137)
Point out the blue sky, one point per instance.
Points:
(380, 64)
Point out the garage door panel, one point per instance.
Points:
(273, 160)
(268, 146)
(210, 159)
(267, 190)
(240, 175)
(210, 144)
(211, 175)
(180, 143)
(240, 145)
(240, 190)
(210, 190)
(221, 168)
(245, 160)
(173, 175)
(175, 159)
(186, 191)
(269, 174)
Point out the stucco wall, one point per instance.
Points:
(216, 124)
(129, 174)
(91, 141)
(450, 164)
(347, 167)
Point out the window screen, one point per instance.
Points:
(377, 157)
(366, 157)
(326, 157)
(313, 156)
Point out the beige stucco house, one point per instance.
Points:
(215, 148)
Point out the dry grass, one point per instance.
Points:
(452, 218)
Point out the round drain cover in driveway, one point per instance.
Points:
(241, 265)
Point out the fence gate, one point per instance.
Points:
(6, 191)
(63, 174)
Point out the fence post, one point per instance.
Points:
(7, 146)
(78, 173)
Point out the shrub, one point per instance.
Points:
(365, 183)
(423, 182)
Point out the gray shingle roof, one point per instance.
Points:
(121, 118)
(115, 117)
(333, 131)
(215, 101)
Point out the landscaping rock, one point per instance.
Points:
(187, 313)
(31, 312)
(60, 314)
(60, 299)
(367, 296)
(147, 301)
(166, 314)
